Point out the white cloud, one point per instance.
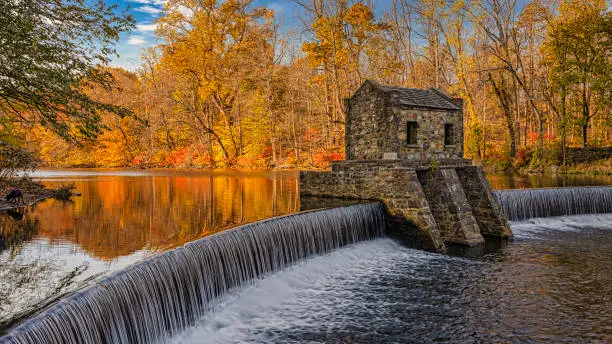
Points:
(136, 40)
(146, 27)
(148, 9)
(185, 11)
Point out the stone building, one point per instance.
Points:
(386, 122)
(404, 147)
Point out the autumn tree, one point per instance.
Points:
(578, 53)
(342, 35)
(227, 87)
(216, 48)
(49, 53)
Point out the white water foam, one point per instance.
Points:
(164, 294)
(533, 228)
(275, 302)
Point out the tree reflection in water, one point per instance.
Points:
(121, 218)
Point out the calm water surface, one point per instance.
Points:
(124, 216)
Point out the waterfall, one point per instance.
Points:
(520, 205)
(158, 297)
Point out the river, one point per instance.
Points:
(126, 215)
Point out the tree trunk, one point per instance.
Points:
(501, 92)
(585, 115)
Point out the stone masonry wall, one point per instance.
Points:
(363, 124)
(483, 203)
(377, 165)
(430, 129)
(426, 207)
(409, 216)
(450, 206)
(374, 127)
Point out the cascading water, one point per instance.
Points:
(520, 205)
(157, 297)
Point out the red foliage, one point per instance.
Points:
(137, 160)
(176, 158)
(523, 156)
(310, 134)
(323, 159)
(533, 136)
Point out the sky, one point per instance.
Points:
(146, 12)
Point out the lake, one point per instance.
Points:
(126, 215)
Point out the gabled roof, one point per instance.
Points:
(415, 97)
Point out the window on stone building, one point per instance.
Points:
(411, 133)
(449, 134)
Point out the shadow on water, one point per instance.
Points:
(16, 227)
(492, 247)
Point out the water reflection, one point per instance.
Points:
(117, 215)
(54, 247)
(16, 226)
(502, 181)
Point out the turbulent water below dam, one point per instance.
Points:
(317, 277)
(553, 284)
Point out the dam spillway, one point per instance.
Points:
(519, 205)
(160, 296)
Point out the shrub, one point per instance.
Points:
(15, 160)
(523, 157)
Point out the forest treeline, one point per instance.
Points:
(227, 87)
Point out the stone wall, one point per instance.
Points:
(484, 204)
(450, 206)
(409, 217)
(426, 206)
(430, 129)
(579, 155)
(376, 165)
(365, 124)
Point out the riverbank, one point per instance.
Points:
(32, 192)
(590, 162)
(602, 167)
(593, 161)
(599, 167)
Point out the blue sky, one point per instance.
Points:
(146, 11)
